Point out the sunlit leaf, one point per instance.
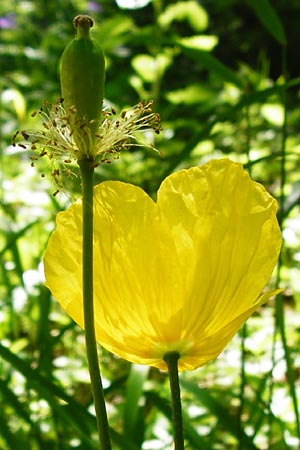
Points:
(189, 10)
(269, 18)
(18, 101)
(150, 68)
(204, 42)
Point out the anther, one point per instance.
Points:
(25, 135)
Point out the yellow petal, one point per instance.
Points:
(180, 274)
(227, 238)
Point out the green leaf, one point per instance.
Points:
(203, 42)
(195, 440)
(18, 101)
(72, 413)
(193, 94)
(10, 398)
(69, 411)
(269, 18)
(190, 11)
(11, 439)
(133, 427)
(220, 411)
(211, 63)
(150, 68)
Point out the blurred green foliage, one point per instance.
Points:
(224, 76)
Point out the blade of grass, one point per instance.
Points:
(211, 63)
(191, 435)
(279, 310)
(75, 415)
(133, 420)
(269, 18)
(72, 413)
(220, 411)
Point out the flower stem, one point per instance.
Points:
(87, 177)
(171, 359)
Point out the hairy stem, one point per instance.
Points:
(87, 177)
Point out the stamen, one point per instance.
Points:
(57, 137)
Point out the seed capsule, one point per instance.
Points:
(82, 77)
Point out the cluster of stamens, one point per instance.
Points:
(65, 140)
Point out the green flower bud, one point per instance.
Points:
(82, 77)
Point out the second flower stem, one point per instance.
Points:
(171, 359)
(87, 178)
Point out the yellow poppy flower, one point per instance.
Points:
(179, 274)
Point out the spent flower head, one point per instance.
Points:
(56, 141)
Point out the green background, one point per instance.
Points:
(224, 76)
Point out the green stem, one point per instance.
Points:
(280, 313)
(242, 388)
(87, 177)
(241, 442)
(171, 359)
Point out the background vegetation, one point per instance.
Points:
(224, 76)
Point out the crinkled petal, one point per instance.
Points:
(208, 346)
(227, 239)
(180, 274)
